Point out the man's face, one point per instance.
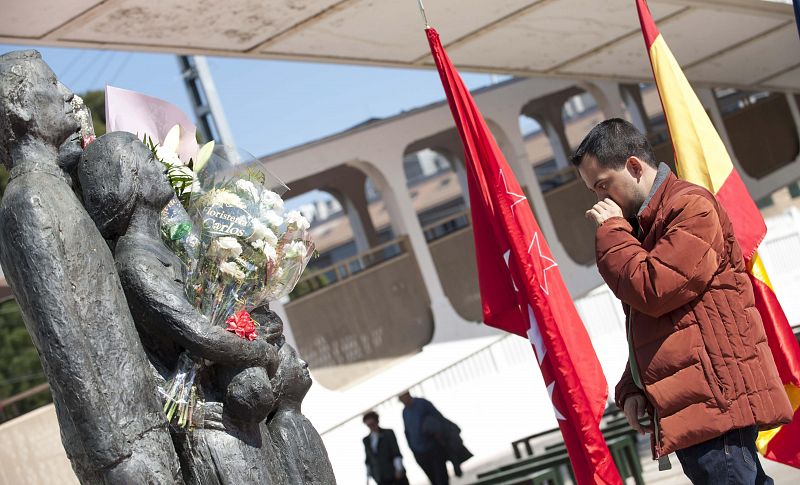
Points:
(371, 423)
(622, 186)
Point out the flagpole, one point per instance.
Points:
(422, 12)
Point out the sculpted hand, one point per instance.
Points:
(271, 324)
(603, 210)
(634, 410)
(270, 355)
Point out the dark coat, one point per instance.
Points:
(444, 432)
(697, 338)
(380, 463)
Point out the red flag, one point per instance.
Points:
(521, 287)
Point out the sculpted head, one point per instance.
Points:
(34, 105)
(119, 174)
(292, 379)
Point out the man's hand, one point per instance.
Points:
(603, 210)
(635, 409)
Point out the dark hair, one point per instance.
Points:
(370, 415)
(612, 142)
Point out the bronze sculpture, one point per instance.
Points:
(299, 445)
(109, 327)
(124, 190)
(63, 276)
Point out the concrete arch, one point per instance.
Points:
(563, 193)
(345, 184)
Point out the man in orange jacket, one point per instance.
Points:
(699, 362)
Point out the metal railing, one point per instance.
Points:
(557, 179)
(446, 226)
(346, 268)
(24, 395)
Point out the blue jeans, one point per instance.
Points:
(730, 459)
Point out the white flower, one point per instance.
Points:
(273, 219)
(270, 253)
(167, 150)
(232, 269)
(295, 250)
(194, 188)
(223, 197)
(271, 201)
(296, 222)
(260, 231)
(167, 156)
(203, 155)
(249, 188)
(271, 238)
(225, 248)
(258, 244)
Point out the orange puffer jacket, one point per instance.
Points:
(697, 339)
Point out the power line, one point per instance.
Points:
(124, 63)
(101, 71)
(75, 61)
(82, 72)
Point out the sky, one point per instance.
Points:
(269, 105)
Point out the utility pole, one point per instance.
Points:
(204, 98)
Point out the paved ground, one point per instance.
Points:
(782, 474)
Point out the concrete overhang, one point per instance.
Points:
(751, 44)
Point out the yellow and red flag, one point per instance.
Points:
(701, 158)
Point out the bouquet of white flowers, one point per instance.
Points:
(250, 251)
(241, 250)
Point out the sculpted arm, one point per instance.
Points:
(164, 301)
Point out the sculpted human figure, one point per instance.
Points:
(124, 190)
(301, 449)
(63, 276)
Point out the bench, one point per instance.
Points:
(549, 477)
(620, 438)
(521, 473)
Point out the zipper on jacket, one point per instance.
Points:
(635, 374)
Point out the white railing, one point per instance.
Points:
(781, 254)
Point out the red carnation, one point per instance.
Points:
(242, 325)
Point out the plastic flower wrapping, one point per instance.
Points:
(241, 249)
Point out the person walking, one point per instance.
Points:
(699, 363)
(384, 460)
(433, 439)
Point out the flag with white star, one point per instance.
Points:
(521, 287)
